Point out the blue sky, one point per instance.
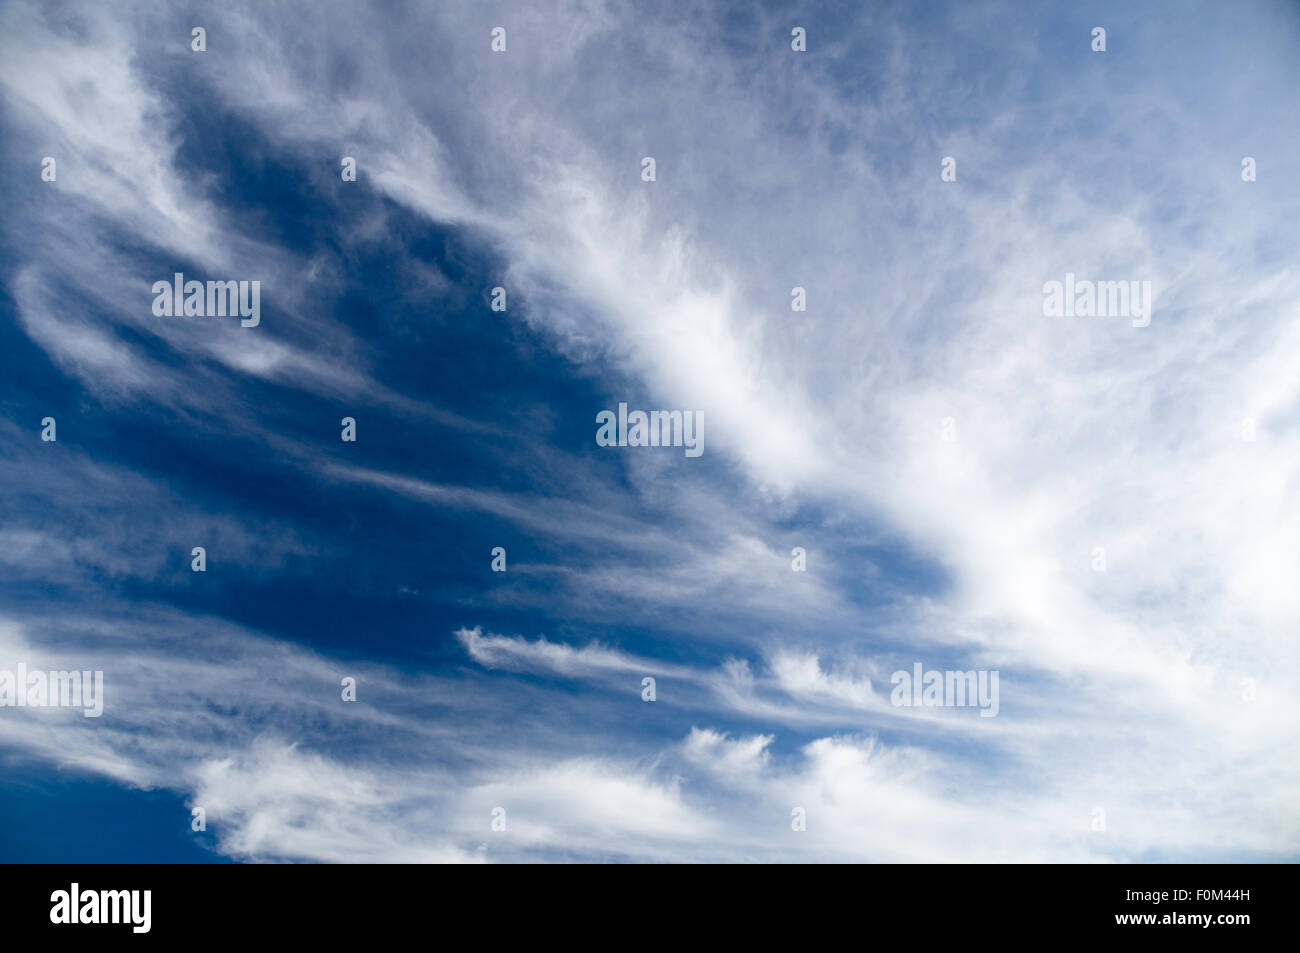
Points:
(1156, 694)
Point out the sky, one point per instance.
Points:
(921, 467)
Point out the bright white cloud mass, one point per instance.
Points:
(1107, 515)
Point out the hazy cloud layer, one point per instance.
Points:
(950, 458)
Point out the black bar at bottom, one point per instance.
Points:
(1222, 904)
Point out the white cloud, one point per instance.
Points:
(924, 304)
